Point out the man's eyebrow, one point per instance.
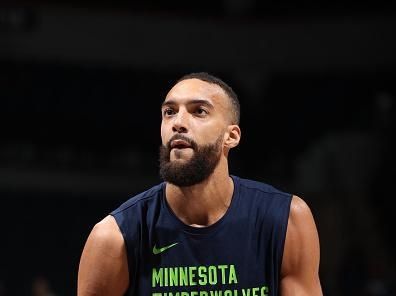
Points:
(193, 101)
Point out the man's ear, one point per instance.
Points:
(233, 136)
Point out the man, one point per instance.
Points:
(203, 232)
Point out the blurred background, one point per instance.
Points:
(81, 83)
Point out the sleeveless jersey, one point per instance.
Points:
(239, 255)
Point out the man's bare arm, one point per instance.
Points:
(103, 266)
(300, 265)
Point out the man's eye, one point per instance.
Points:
(201, 111)
(168, 111)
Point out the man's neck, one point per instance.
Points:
(202, 204)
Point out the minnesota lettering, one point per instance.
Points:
(203, 276)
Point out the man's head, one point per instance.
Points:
(200, 117)
(235, 112)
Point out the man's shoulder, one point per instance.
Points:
(265, 188)
(140, 198)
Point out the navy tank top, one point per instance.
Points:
(239, 255)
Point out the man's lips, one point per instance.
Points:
(180, 144)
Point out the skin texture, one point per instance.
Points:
(300, 264)
(201, 112)
(103, 266)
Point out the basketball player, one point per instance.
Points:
(203, 232)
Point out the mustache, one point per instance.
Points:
(191, 142)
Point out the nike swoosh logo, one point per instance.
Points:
(157, 251)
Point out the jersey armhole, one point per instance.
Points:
(128, 250)
(283, 232)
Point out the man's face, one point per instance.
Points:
(194, 120)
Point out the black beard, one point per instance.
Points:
(192, 171)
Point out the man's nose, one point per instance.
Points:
(180, 122)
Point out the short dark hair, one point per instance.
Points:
(204, 76)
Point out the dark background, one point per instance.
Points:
(81, 83)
